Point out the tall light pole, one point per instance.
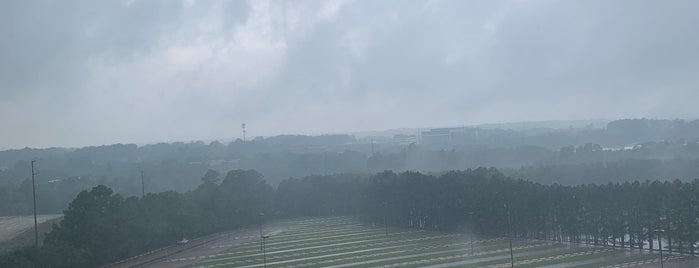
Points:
(660, 244)
(264, 251)
(36, 226)
(385, 220)
(262, 238)
(470, 214)
(509, 236)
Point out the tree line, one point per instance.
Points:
(627, 214)
(61, 179)
(176, 166)
(101, 227)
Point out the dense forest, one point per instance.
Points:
(624, 150)
(479, 200)
(614, 214)
(100, 226)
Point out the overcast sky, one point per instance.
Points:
(76, 73)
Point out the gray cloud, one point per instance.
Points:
(84, 72)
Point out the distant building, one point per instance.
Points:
(443, 137)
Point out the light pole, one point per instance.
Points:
(385, 219)
(36, 226)
(262, 239)
(264, 251)
(470, 214)
(509, 236)
(660, 244)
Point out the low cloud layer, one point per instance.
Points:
(96, 72)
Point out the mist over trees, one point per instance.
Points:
(622, 150)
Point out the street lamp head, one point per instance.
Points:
(659, 230)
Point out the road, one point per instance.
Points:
(11, 226)
(187, 254)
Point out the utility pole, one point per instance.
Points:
(471, 229)
(385, 218)
(262, 238)
(143, 186)
(509, 236)
(264, 250)
(660, 245)
(36, 227)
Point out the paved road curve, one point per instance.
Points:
(11, 226)
(187, 254)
